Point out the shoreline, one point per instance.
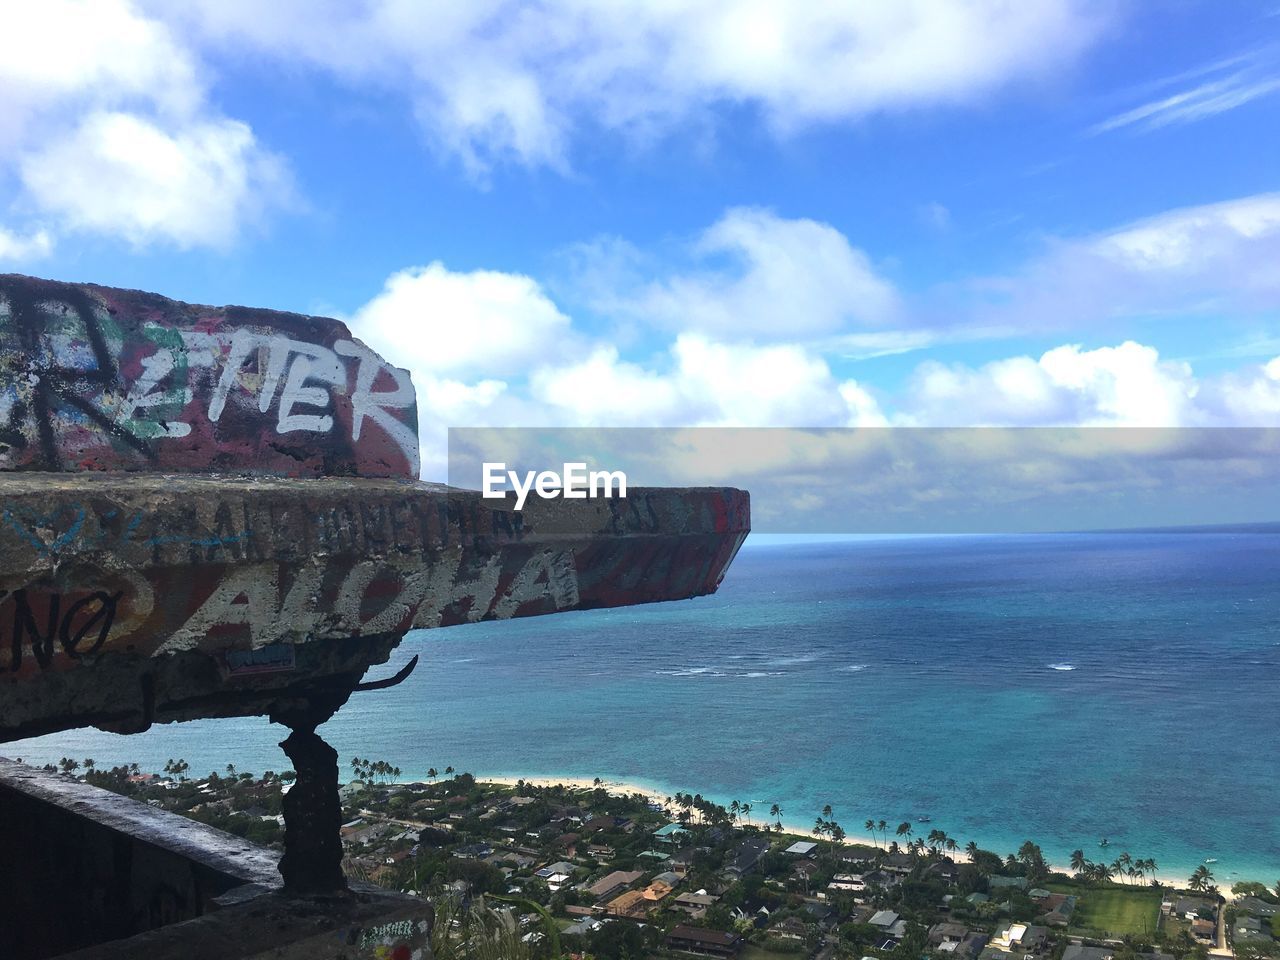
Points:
(659, 796)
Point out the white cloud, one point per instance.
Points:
(18, 248)
(496, 80)
(1127, 385)
(787, 279)
(106, 123)
(443, 322)
(86, 54)
(703, 382)
(602, 390)
(119, 174)
(1214, 258)
(1234, 82)
(1248, 397)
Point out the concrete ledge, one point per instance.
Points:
(83, 865)
(143, 882)
(132, 599)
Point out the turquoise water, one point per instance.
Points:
(1061, 688)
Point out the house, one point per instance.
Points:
(805, 869)
(1191, 907)
(656, 891)
(633, 904)
(1250, 930)
(552, 869)
(1258, 907)
(824, 913)
(942, 933)
(1205, 930)
(801, 848)
(899, 863)
(612, 884)
(746, 855)
(583, 926)
(672, 834)
(705, 943)
(852, 882)
(790, 928)
(884, 919)
(1004, 883)
(694, 904)
(1058, 908)
(1020, 938)
(755, 910)
(947, 871)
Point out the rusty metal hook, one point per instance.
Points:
(399, 677)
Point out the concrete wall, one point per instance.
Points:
(83, 865)
(95, 378)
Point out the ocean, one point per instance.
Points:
(1061, 688)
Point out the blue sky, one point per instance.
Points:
(750, 213)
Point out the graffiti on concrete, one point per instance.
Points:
(93, 378)
(234, 574)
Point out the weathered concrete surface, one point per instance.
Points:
(90, 871)
(126, 600)
(95, 378)
(83, 864)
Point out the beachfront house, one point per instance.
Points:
(746, 856)
(673, 835)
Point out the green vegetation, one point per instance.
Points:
(480, 852)
(753, 952)
(1119, 911)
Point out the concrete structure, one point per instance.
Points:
(211, 512)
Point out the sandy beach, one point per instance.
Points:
(625, 788)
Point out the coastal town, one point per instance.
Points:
(587, 870)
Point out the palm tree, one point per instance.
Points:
(971, 848)
(1078, 861)
(826, 811)
(904, 829)
(870, 827)
(1149, 867)
(1201, 880)
(1124, 864)
(884, 829)
(951, 844)
(746, 812)
(448, 771)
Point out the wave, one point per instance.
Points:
(692, 672)
(764, 673)
(1061, 666)
(792, 661)
(855, 667)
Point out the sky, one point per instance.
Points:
(728, 213)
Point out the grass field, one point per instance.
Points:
(753, 952)
(1117, 910)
